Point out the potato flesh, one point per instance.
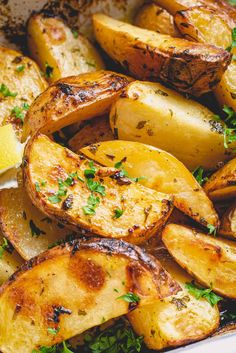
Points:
(155, 18)
(212, 261)
(97, 130)
(222, 184)
(161, 171)
(80, 278)
(206, 26)
(28, 84)
(188, 67)
(30, 231)
(152, 114)
(176, 320)
(228, 223)
(151, 209)
(52, 43)
(72, 100)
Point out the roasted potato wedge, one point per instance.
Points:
(72, 100)
(155, 18)
(10, 261)
(176, 320)
(28, 229)
(150, 113)
(207, 26)
(53, 45)
(76, 286)
(222, 184)
(228, 223)
(188, 67)
(160, 171)
(104, 203)
(210, 260)
(96, 130)
(20, 83)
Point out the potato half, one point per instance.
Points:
(106, 203)
(188, 67)
(74, 287)
(30, 231)
(72, 100)
(9, 261)
(207, 26)
(228, 223)
(150, 113)
(21, 82)
(212, 261)
(155, 18)
(54, 45)
(222, 184)
(160, 171)
(177, 320)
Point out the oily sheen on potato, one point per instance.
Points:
(160, 171)
(72, 100)
(187, 66)
(80, 194)
(176, 320)
(76, 286)
(210, 260)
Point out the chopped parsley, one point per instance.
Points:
(37, 187)
(200, 175)
(3, 247)
(92, 203)
(65, 349)
(118, 213)
(130, 297)
(62, 191)
(211, 229)
(48, 70)
(199, 292)
(19, 112)
(53, 331)
(75, 33)
(229, 129)
(90, 173)
(20, 68)
(95, 186)
(4, 90)
(233, 43)
(123, 173)
(35, 231)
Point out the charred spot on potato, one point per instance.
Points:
(67, 203)
(65, 88)
(141, 124)
(57, 311)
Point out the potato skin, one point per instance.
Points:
(181, 122)
(155, 18)
(28, 84)
(52, 43)
(208, 26)
(177, 320)
(210, 260)
(151, 209)
(228, 223)
(72, 100)
(188, 67)
(222, 184)
(161, 172)
(74, 278)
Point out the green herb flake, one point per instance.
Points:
(65, 348)
(130, 297)
(233, 44)
(92, 203)
(20, 68)
(95, 186)
(3, 247)
(4, 90)
(200, 175)
(199, 292)
(211, 229)
(19, 112)
(75, 34)
(53, 331)
(37, 187)
(90, 173)
(118, 213)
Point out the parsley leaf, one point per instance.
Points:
(65, 348)
(123, 173)
(75, 34)
(130, 297)
(233, 44)
(6, 92)
(118, 213)
(54, 199)
(200, 175)
(90, 173)
(18, 112)
(199, 292)
(3, 247)
(211, 229)
(92, 203)
(20, 68)
(53, 331)
(48, 70)
(95, 186)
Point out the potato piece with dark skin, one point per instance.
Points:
(78, 193)
(228, 223)
(210, 260)
(189, 67)
(74, 287)
(72, 100)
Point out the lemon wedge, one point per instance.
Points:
(11, 150)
